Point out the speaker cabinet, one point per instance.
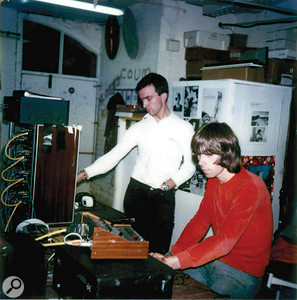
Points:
(55, 173)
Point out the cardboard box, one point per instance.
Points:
(277, 67)
(197, 53)
(283, 54)
(238, 41)
(281, 44)
(287, 33)
(193, 67)
(213, 40)
(259, 55)
(249, 71)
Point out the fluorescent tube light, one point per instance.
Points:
(86, 6)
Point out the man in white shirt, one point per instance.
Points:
(163, 163)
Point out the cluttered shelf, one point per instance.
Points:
(130, 112)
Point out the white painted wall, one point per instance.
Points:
(8, 46)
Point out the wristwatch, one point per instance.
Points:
(84, 173)
(166, 187)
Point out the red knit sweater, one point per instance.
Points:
(241, 216)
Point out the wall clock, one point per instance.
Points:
(112, 37)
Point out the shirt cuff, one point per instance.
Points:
(89, 172)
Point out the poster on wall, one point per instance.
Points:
(211, 104)
(263, 166)
(195, 185)
(256, 123)
(134, 98)
(208, 110)
(259, 126)
(191, 102)
(178, 101)
(186, 103)
(130, 96)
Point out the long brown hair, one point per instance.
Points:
(218, 138)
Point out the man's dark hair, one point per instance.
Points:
(218, 138)
(158, 81)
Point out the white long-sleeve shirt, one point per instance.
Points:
(164, 151)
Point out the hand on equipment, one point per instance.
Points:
(81, 176)
(168, 259)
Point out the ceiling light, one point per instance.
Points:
(86, 6)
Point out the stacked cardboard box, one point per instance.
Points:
(238, 44)
(272, 71)
(282, 43)
(204, 48)
(277, 68)
(206, 39)
(199, 57)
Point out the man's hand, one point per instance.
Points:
(170, 260)
(170, 183)
(81, 176)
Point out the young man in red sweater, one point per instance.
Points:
(237, 205)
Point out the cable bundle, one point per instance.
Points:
(16, 178)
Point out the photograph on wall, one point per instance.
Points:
(263, 166)
(128, 99)
(259, 126)
(178, 100)
(196, 184)
(196, 123)
(191, 102)
(211, 105)
(130, 96)
(210, 111)
(134, 98)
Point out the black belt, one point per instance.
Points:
(148, 187)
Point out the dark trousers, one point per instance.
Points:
(153, 211)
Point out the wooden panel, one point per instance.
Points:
(107, 245)
(55, 173)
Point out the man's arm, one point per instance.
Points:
(196, 228)
(109, 160)
(226, 236)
